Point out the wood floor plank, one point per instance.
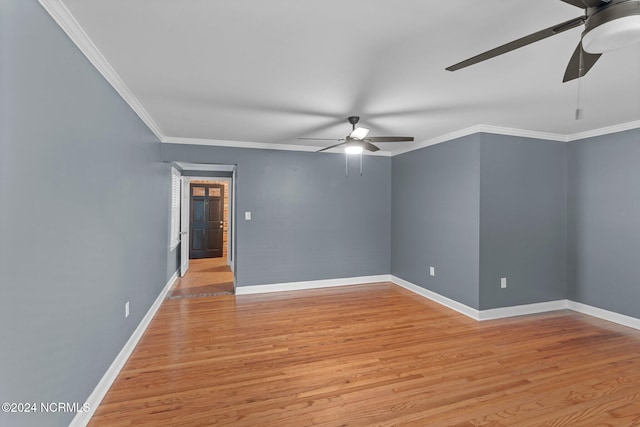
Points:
(205, 276)
(371, 355)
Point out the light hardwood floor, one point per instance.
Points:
(206, 276)
(372, 355)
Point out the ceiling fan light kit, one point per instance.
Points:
(359, 133)
(353, 149)
(613, 35)
(609, 25)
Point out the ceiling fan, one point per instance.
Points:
(357, 140)
(609, 25)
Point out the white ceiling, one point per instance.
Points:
(267, 72)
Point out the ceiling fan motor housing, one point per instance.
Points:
(612, 27)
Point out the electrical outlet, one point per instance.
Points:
(126, 309)
(432, 271)
(503, 282)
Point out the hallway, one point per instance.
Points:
(205, 277)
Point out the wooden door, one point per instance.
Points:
(207, 221)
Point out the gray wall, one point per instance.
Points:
(436, 218)
(604, 222)
(522, 220)
(309, 221)
(480, 208)
(84, 212)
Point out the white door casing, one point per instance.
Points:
(184, 227)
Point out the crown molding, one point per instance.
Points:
(496, 130)
(490, 129)
(523, 133)
(63, 17)
(438, 140)
(604, 131)
(259, 145)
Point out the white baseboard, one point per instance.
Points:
(313, 284)
(94, 399)
(496, 313)
(600, 313)
(480, 315)
(521, 310)
(440, 299)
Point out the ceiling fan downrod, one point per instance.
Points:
(354, 121)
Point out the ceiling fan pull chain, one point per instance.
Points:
(360, 163)
(579, 112)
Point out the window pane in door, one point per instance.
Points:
(214, 192)
(198, 191)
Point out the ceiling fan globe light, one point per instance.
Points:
(353, 149)
(612, 35)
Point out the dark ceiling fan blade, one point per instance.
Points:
(323, 139)
(524, 41)
(576, 69)
(389, 139)
(329, 148)
(596, 3)
(369, 147)
(583, 4)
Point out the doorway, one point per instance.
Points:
(207, 234)
(228, 230)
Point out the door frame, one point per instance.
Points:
(184, 167)
(185, 208)
(184, 225)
